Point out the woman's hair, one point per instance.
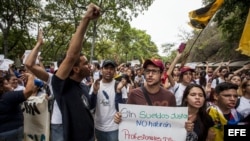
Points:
(176, 67)
(126, 77)
(244, 86)
(8, 76)
(202, 79)
(202, 116)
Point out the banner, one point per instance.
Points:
(36, 119)
(152, 123)
(244, 45)
(199, 18)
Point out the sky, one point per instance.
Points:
(164, 19)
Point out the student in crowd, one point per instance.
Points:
(153, 70)
(194, 98)
(223, 112)
(11, 117)
(228, 76)
(158, 96)
(222, 71)
(236, 79)
(164, 76)
(139, 78)
(185, 78)
(13, 80)
(243, 104)
(56, 126)
(71, 97)
(131, 74)
(109, 94)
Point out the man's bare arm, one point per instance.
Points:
(73, 52)
(30, 62)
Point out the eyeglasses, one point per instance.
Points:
(187, 73)
(148, 71)
(230, 95)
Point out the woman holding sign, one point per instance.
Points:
(194, 98)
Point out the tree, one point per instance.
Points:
(115, 16)
(16, 17)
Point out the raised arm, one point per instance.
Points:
(74, 50)
(217, 69)
(170, 78)
(30, 62)
(245, 67)
(30, 86)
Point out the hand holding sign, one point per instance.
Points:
(118, 117)
(189, 125)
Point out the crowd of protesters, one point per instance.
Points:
(86, 96)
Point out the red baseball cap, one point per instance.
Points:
(156, 62)
(185, 69)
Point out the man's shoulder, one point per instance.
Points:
(136, 91)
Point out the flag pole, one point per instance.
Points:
(198, 36)
(195, 41)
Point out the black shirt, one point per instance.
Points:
(11, 116)
(78, 124)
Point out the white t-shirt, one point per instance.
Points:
(96, 75)
(19, 88)
(244, 107)
(214, 83)
(56, 117)
(178, 90)
(105, 108)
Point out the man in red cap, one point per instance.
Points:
(158, 96)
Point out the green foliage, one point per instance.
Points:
(17, 17)
(59, 20)
(232, 17)
(221, 37)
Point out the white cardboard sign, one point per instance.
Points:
(152, 123)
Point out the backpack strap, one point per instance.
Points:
(176, 89)
(217, 81)
(146, 95)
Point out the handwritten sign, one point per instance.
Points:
(26, 54)
(152, 123)
(4, 63)
(36, 118)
